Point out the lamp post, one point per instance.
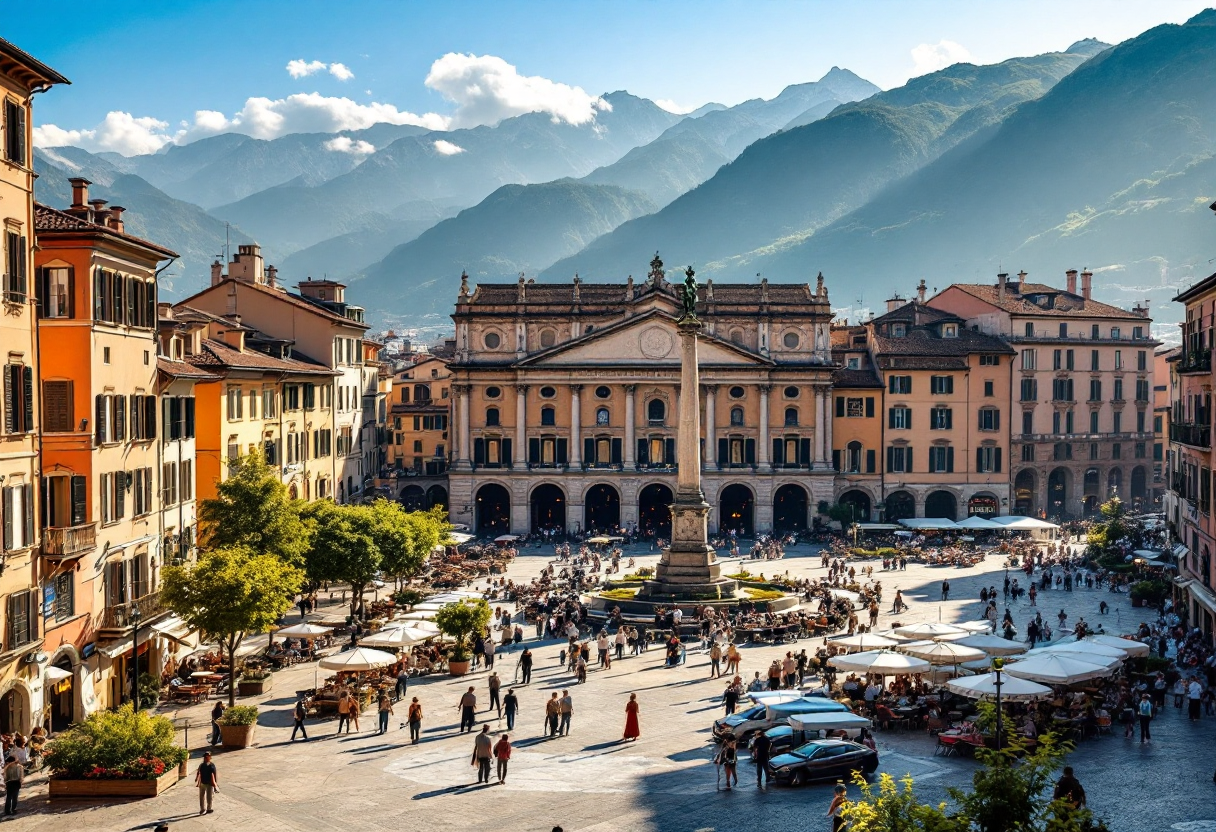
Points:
(997, 664)
(135, 617)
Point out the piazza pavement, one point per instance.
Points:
(589, 781)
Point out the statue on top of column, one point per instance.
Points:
(688, 296)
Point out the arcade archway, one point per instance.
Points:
(493, 506)
(942, 505)
(789, 508)
(984, 505)
(15, 711)
(436, 497)
(413, 498)
(654, 512)
(860, 501)
(1023, 492)
(1058, 483)
(900, 505)
(601, 508)
(736, 507)
(548, 508)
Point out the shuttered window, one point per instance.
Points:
(58, 415)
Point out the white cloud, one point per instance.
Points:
(300, 68)
(486, 89)
(345, 144)
(930, 57)
(122, 132)
(672, 107)
(446, 148)
(266, 118)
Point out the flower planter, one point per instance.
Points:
(458, 668)
(114, 788)
(254, 687)
(237, 736)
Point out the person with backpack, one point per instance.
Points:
(1145, 710)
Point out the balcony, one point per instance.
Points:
(1195, 361)
(1196, 435)
(69, 541)
(118, 616)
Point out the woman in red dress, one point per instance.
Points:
(632, 729)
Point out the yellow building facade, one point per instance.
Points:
(419, 419)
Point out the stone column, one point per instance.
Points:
(466, 443)
(630, 418)
(821, 428)
(827, 424)
(521, 424)
(576, 439)
(688, 455)
(762, 451)
(711, 437)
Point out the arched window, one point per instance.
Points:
(656, 410)
(492, 417)
(548, 416)
(736, 416)
(791, 417)
(422, 392)
(853, 458)
(601, 416)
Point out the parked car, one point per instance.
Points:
(761, 717)
(822, 760)
(804, 727)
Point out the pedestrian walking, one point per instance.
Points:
(355, 707)
(14, 776)
(468, 710)
(715, 660)
(482, 752)
(207, 778)
(1145, 711)
(495, 700)
(633, 729)
(1194, 694)
(836, 810)
(762, 748)
(510, 704)
(415, 720)
(728, 759)
(1069, 788)
(730, 696)
(945, 590)
(566, 708)
(343, 711)
(216, 713)
(297, 715)
(403, 683)
(488, 652)
(525, 666)
(553, 711)
(502, 753)
(385, 711)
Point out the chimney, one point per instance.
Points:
(115, 221)
(247, 264)
(894, 302)
(1086, 283)
(80, 192)
(272, 276)
(1021, 282)
(95, 208)
(1001, 280)
(217, 272)
(920, 291)
(234, 338)
(1071, 276)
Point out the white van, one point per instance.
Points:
(763, 716)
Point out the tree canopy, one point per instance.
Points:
(229, 592)
(342, 546)
(253, 509)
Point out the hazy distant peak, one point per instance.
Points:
(1207, 17)
(1087, 47)
(711, 107)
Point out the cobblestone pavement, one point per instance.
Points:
(590, 780)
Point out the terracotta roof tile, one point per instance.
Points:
(182, 369)
(1066, 305)
(845, 378)
(221, 356)
(49, 220)
(286, 297)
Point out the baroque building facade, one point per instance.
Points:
(565, 399)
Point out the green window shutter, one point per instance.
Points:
(869, 407)
(840, 406)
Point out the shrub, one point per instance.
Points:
(741, 576)
(121, 744)
(240, 715)
(623, 593)
(1151, 592)
(255, 674)
(409, 597)
(460, 620)
(757, 594)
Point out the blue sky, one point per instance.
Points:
(156, 64)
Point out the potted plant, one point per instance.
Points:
(121, 753)
(460, 620)
(1149, 593)
(237, 724)
(255, 681)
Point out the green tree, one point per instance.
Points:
(890, 808)
(1012, 791)
(252, 508)
(460, 620)
(405, 539)
(230, 592)
(343, 546)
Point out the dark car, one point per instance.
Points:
(822, 760)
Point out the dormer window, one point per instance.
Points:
(950, 330)
(899, 330)
(854, 363)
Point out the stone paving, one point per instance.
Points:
(590, 780)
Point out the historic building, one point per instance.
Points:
(321, 324)
(1081, 390)
(418, 433)
(565, 401)
(1162, 369)
(29, 625)
(920, 407)
(1188, 502)
(101, 460)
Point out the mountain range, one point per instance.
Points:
(1095, 156)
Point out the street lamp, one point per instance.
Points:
(135, 616)
(997, 664)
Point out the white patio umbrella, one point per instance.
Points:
(1133, 647)
(942, 652)
(425, 615)
(1013, 689)
(1088, 648)
(952, 636)
(361, 658)
(945, 672)
(974, 626)
(864, 641)
(303, 630)
(977, 522)
(992, 645)
(1056, 669)
(396, 637)
(928, 629)
(885, 662)
(1070, 650)
(431, 606)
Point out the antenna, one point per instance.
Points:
(227, 245)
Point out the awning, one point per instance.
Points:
(55, 675)
(1022, 523)
(877, 527)
(1205, 598)
(116, 548)
(928, 523)
(175, 629)
(116, 648)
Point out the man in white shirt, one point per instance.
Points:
(1194, 694)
